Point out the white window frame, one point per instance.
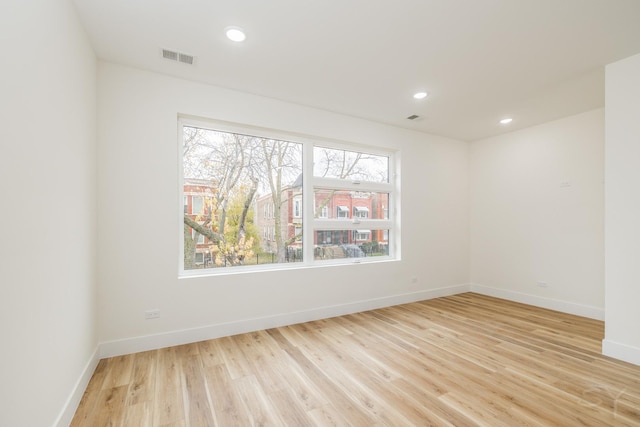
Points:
(202, 254)
(361, 235)
(297, 207)
(392, 188)
(193, 199)
(341, 209)
(310, 183)
(360, 212)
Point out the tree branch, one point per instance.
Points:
(213, 236)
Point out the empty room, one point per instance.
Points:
(314, 213)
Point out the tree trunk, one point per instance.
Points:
(189, 249)
(242, 231)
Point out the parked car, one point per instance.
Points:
(352, 251)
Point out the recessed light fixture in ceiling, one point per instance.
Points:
(506, 121)
(420, 95)
(235, 34)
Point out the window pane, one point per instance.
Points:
(197, 205)
(351, 165)
(336, 244)
(297, 207)
(247, 201)
(344, 204)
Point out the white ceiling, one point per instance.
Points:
(480, 60)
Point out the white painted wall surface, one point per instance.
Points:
(139, 216)
(48, 179)
(622, 236)
(537, 214)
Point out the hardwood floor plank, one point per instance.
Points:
(234, 360)
(289, 411)
(139, 414)
(227, 406)
(257, 404)
(327, 416)
(339, 399)
(110, 408)
(463, 360)
(168, 408)
(142, 385)
(210, 352)
(119, 370)
(87, 407)
(196, 395)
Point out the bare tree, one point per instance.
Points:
(281, 160)
(223, 159)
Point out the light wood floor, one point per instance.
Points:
(463, 360)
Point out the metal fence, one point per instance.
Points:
(323, 252)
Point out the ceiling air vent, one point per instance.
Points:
(187, 59)
(168, 54)
(177, 56)
(413, 117)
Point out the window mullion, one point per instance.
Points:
(339, 184)
(332, 224)
(307, 204)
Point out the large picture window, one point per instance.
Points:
(253, 201)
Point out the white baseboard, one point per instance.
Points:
(186, 336)
(549, 303)
(168, 339)
(71, 405)
(620, 351)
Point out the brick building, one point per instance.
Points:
(198, 197)
(328, 204)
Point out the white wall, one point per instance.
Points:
(139, 216)
(537, 214)
(48, 320)
(622, 249)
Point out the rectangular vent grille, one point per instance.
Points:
(177, 56)
(187, 59)
(167, 54)
(413, 117)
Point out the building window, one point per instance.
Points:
(244, 190)
(199, 239)
(297, 208)
(342, 212)
(360, 212)
(197, 205)
(361, 235)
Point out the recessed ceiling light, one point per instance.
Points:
(235, 34)
(420, 95)
(506, 120)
